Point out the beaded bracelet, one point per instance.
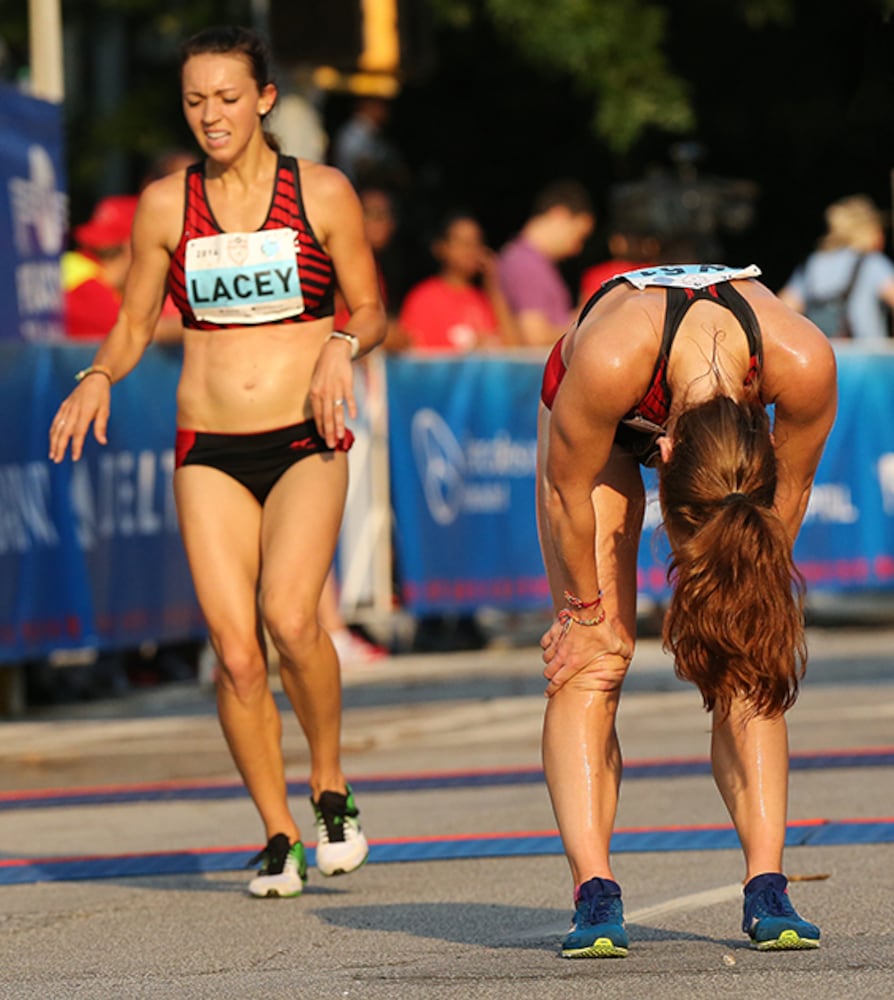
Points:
(93, 370)
(565, 618)
(578, 604)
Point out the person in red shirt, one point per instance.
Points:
(461, 308)
(93, 274)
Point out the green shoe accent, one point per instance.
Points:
(297, 851)
(787, 941)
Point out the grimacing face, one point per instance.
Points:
(221, 102)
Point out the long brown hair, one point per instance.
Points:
(735, 624)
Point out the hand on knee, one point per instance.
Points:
(605, 674)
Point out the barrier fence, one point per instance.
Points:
(442, 485)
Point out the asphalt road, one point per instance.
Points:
(125, 833)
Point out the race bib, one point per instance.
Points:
(243, 278)
(688, 275)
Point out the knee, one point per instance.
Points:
(604, 676)
(243, 667)
(293, 629)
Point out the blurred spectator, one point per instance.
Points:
(462, 307)
(354, 650)
(561, 220)
(93, 274)
(168, 161)
(629, 252)
(360, 148)
(846, 286)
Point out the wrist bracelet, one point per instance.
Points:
(93, 370)
(350, 338)
(578, 604)
(565, 618)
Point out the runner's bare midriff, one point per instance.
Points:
(248, 379)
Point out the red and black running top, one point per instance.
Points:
(640, 427)
(315, 271)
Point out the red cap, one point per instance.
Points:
(109, 226)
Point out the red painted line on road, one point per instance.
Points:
(148, 789)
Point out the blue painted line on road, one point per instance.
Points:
(201, 791)
(811, 833)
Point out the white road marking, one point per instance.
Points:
(682, 904)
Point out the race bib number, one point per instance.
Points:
(243, 278)
(688, 275)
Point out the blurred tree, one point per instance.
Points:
(611, 51)
(614, 52)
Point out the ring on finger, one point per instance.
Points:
(338, 402)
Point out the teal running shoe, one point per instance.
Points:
(597, 928)
(771, 921)
(283, 869)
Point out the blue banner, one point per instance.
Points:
(33, 217)
(90, 552)
(462, 442)
(847, 541)
(462, 438)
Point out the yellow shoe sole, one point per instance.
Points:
(787, 941)
(600, 948)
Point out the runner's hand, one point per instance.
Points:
(332, 390)
(89, 403)
(569, 648)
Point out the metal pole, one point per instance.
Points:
(45, 45)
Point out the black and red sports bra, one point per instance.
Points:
(278, 274)
(685, 285)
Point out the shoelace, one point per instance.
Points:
(332, 809)
(273, 856)
(771, 902)
(598, 909)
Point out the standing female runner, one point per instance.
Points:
(252, 244)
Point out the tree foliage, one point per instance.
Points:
(611, 55)
(612, 52)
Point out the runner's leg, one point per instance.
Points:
(581, 753)
(749, 757)
(300, 529)
(220, 523)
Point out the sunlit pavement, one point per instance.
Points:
(125, 833)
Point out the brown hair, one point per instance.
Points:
(565, 193)
(735, 624)
(231, 40)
